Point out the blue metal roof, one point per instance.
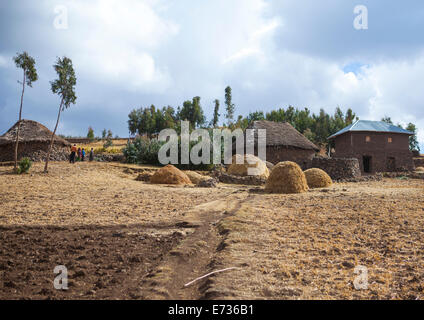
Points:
(374, 126)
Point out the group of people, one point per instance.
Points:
(79, 154)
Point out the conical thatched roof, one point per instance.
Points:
(282, 134)
(31, 131)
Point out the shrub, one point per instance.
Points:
(24, 165)
(108, 143)
(145, 151)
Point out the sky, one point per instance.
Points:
(273, 53)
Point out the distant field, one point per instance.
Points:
(118, 145)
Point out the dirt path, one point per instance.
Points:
(195, 255)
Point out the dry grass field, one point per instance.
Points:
(127, 239)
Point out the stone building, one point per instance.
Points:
(378, 146)
(284, 143)
(34, 141)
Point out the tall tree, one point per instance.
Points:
(350, 117)
(229, 105)
(216, 114)
(387, 120)
(192, 111)
(90, 133)
(413, 141)
(133, 122)
(64, 86)
(27, 64)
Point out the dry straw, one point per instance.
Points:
(258, 167)
(286, 177)
(317, 178)
(194, 176)
(169, 175)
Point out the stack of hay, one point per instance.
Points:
(194, 176)
(257, 167)
(169, 175)
(317, 178)
(286, 177)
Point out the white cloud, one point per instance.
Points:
(3, 61)
(272, 53)
(114, 42)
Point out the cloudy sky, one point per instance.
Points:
(272, 53)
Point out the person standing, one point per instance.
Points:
(73, 152)
(79, 154)
(91, 157)
(82, 154)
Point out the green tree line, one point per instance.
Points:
(316, 127)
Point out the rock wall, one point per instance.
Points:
(280, 153)
(338, 168)
(35, 151)
(419, 162)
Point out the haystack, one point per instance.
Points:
(195, 177)
(257, 167)
(317, 178)
(286, 177)
(419, 169)
(169, 175)
(34, 142)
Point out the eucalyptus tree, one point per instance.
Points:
(64, 87)
(27, 64)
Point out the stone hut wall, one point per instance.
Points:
(36, 151)
(302, 157)
(419, 162)
(338, 168)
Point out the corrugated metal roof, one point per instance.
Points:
(373, 126)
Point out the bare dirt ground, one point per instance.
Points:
(125, 239)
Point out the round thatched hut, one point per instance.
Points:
(34, 140)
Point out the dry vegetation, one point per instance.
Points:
(123, 238)
(306, 246)
(118, 145)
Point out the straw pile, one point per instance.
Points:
(257, 167)
(286, 177)
(169, 175)
(195, 177)
(317, 178)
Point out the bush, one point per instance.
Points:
(24, 165)
(145, 151)
(108, 143)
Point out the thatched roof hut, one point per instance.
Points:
(283, 134)
(284, 143)
(34, 139)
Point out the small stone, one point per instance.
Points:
(347, 264)
(209, 183)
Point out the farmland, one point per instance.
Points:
(122, 238)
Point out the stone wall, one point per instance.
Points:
(419, 162)
(34, 151)
(280, 153)
(338, 168)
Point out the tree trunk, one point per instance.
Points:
(52, 140)
(19, 125)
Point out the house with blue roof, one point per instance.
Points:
(378, 146)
